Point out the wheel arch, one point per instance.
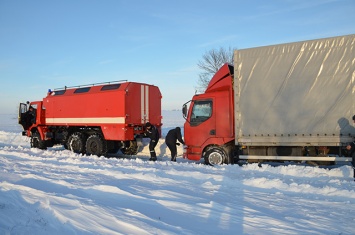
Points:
(38, 130)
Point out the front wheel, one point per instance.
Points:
(215, 156)
(37, 142)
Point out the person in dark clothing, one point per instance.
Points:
(351, 151)
(152, 133)
(170, 140)
(29, 118)
(32, 114)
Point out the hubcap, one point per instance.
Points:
(215, 158)
(93, 147)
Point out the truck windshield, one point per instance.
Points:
(201, 111)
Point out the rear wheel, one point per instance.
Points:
(76, 142)
(215, 156)
(96, 145)
(37, 142)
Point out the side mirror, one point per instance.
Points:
(184, 111)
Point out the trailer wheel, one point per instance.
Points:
(96, 145)
(215, 156)
(131, 148)
(76, 142)
(37, 142)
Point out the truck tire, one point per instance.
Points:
(37, 142)
(96, 145)
(215, 156)
(76, 142)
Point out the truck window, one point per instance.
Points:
(82, 90)
(60, 92)
(201, 111)
(110, 87)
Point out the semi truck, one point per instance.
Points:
(287, 102)
(93, 119)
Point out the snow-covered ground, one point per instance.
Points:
(59, 192)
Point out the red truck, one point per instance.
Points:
(93, 119)
(290, 101)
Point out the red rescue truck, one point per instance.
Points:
(290, 101)
(93, 119)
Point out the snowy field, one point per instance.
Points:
(59, 192)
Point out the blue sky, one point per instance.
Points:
(51, 44)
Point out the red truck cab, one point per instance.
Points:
(209, 126)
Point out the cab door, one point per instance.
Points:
(22, 116)
(200, 126)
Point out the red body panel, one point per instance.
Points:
(218, 129)
(118, 112)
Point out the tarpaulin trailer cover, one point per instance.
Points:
(298, 93)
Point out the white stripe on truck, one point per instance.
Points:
(147, 103)
(144, 103)
(99, 120)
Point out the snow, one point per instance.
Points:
(56, 191)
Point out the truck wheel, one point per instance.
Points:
(37, 142)
(215, 156)
(96, 145)
(76, 142)
(131, 148)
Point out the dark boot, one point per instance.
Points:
(173, 159)
(153, 156)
